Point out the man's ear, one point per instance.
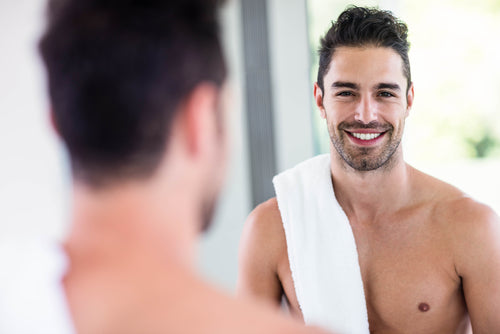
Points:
(409, 99)
(318, 97)
(199, 117)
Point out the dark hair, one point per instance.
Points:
(117, 73)
(360, 26)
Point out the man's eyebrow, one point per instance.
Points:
(385, 85)
(344, 84)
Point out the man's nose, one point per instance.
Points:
(366, 111)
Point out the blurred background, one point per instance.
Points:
(453, 131)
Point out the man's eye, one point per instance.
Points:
(345, 94)
(385, 94)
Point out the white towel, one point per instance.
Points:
(321, 249)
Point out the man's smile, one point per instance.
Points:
(361, 137)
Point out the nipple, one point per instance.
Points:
(424, 307)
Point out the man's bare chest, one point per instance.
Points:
(409, 278)
(409, 281)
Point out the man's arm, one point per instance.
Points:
(477, 245)
(262, 245)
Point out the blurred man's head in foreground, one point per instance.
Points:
(122, 74)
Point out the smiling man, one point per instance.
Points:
(358, 240)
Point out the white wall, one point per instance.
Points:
(32, 170)
(291, 83)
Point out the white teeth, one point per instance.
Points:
(366, 136)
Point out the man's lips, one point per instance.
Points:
(365, 136)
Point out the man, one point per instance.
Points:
(360, 229)
(136, 90)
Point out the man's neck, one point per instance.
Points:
(366, 196)
(133, 218)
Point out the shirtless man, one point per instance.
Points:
(136, 93)
(429, 256)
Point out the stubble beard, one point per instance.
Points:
(208, 207)
(207, 214)
(364, 159)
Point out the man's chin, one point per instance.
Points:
(371, 162)
(365, 166)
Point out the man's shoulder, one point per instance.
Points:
(454, 208)
(266, 217)
(473, 231)
(186, 303)
(451, 203)
(471, 219)
(466, 209)
(465, 220)
(263, 242)
(264, 224)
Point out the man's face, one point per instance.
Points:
(365, 105)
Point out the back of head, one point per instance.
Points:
(118, 71)
(360, 27)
